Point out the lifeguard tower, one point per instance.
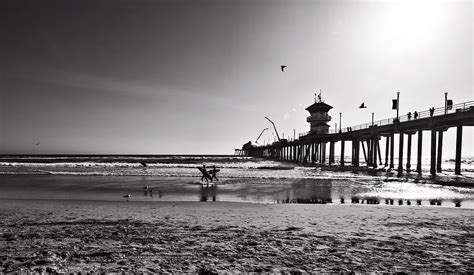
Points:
(319, 117)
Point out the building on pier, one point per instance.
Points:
(319, 117)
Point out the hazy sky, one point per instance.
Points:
(165, 77)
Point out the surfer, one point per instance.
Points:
(214, 173)
(204, 172)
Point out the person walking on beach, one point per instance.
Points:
(214, 173)
(203, 176)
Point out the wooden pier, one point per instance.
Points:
(311, 148)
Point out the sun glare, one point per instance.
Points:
(409, 23)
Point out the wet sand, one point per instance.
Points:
(97, 236)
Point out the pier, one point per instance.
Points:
(312, 147)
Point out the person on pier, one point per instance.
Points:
(432, 111)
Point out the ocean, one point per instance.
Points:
(241, 179)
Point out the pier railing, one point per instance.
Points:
(460, 107)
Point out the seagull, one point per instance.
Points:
(127, 196)
(362, 106)
(283, 67)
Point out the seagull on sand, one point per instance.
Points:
(283, 67)
(127, 196)
(362, 106)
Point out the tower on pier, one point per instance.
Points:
(319, 117)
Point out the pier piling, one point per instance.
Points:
(433, 153)
(408, 152)
(457, 161)
(440, 151)
(400, 154)
(365, 154)
(378, 150)
(419, 151)
(331, 152)
(342, 153)
(392, 149)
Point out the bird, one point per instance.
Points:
(143, 164)
(362, 106)
(127, 196)
(37, 143)
(283, 67)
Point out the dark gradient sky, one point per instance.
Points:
(164, 77)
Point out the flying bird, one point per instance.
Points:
(283, 67)
(362, 106)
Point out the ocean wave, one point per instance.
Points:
(229, 165)
(125, 159)
(138, 173)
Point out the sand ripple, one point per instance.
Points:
(233, 237)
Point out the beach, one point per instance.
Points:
(100, 236)
(227, 137)
(69, 214)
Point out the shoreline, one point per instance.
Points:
(95, 236)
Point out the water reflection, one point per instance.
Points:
(208, 192)
(457, 203)
(319, 191)
(436, 202)
(307, 192)
(273, 190)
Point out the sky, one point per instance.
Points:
(199, 76)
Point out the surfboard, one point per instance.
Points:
(205, 173)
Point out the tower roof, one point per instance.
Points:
(319, 107)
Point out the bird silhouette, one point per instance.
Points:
(362, 106)
(283, 67)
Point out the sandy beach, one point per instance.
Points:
(98, 236)
(227, 137)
